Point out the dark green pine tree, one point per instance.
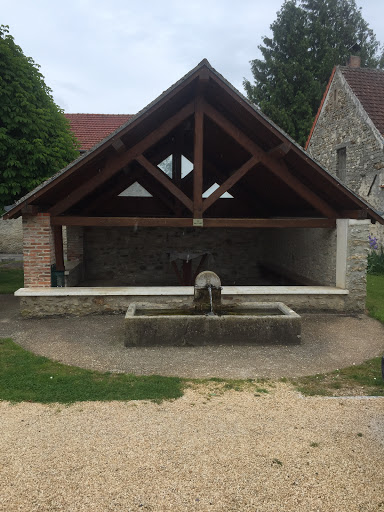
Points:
(35, 140)
(309, 37)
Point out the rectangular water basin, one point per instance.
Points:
(261, 323)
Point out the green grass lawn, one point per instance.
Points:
(25, 377)
(10, 280)
(364, 379)
(375, 296)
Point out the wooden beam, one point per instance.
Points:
(118, 161)
(58, 243)
(122, 221)
(270, 223)
(212, 175)
(165, 181)
(188, 222)
(146, 181)
(278, 168)
(119, 145)
(198, 159)
(124, 182)
(354, 214)
(232, 180)
(280, 151)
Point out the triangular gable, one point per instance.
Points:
(229, 141)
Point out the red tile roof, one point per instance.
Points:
(90, 129)
(368, 86)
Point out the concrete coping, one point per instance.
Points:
(176, 291)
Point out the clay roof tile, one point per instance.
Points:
(90, 129)
(368, 86)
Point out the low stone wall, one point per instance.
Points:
(309, 254)
(38, 306)
(141, 257)
(11, 236)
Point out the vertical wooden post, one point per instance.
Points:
(176, 168)
(198, 160)
(58, 243)
(176, 160)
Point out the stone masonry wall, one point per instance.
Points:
(141, 257)
(75, 243)
(308, 253)
(11, 236)
(344, 123)
(356, 274)
(38, 250)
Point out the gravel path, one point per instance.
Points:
(95, 342)
(232, 452)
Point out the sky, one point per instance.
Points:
(116, 56)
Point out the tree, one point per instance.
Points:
(35, 140)
(309, 38)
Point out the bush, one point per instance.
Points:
(375, 257)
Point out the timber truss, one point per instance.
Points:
(245, 172)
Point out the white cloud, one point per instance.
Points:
(117, 56)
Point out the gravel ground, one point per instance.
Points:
(231, 452)
(95, 342)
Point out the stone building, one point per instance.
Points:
(200, 179)
(347, 136)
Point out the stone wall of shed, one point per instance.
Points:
(11, 236)
(344, 123)
(356, 271)
(309, 255)
(141, 257)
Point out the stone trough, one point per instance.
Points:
(261, 323)
(209, 322)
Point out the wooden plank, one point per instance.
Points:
(118, 161)
(232, 180)
(122, 221)
(58, 244)
(119, 145)
(188, 222)
(165, 181)
(280, 151)
(270, 223)
(354, 214)
(198, 159)
(279, 168)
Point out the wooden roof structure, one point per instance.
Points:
(233, 146)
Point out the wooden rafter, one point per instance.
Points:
(279, 168)
(165, 181)
(280, 151)
(151, 185)
(188, 222)
(116, 162)
(124, 182)
(232, 180)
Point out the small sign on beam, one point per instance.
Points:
(198, 223)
